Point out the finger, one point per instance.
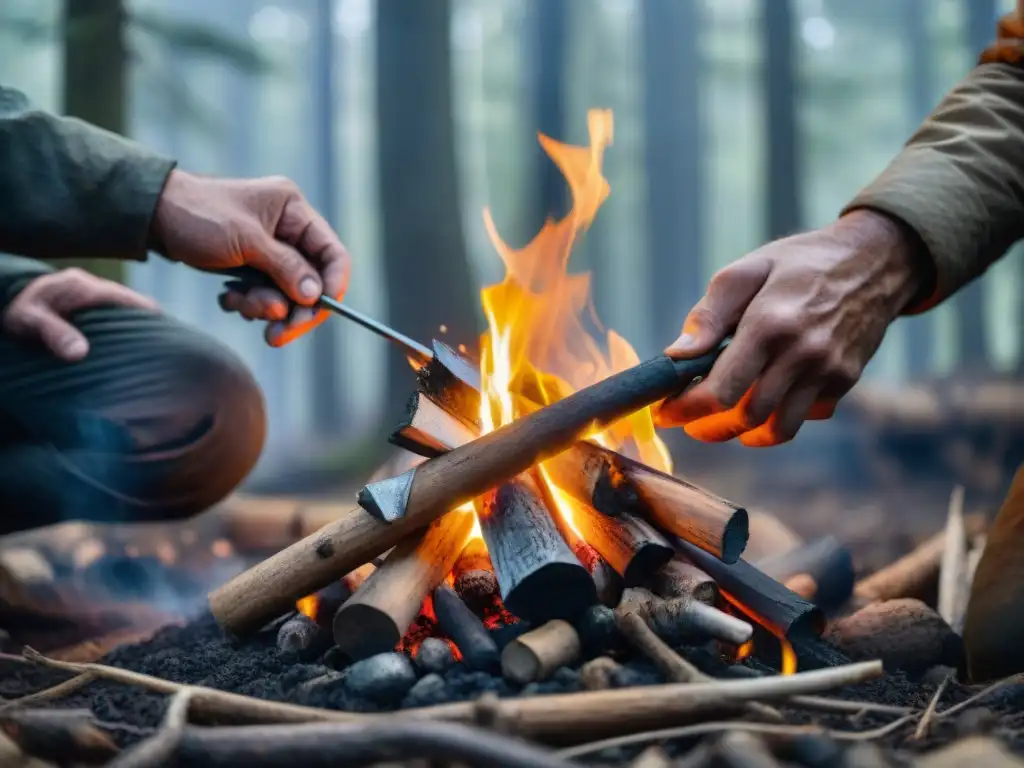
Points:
(95, 292)
(783, 425)
(722, 426)
(301, 226)
(294, 275)
(772, 387)
(719, 311)
(823, 409)
(302, 320)
(263, 303)
(733, 374)
(57, 334)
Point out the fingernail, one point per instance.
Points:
(681, 344)
(309, 287)
(75, 348)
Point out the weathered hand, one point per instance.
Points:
(41, 311)
(211, 223)
(806, 314)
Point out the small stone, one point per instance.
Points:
(302, 637)
(434, 655)
(596, 674)
(810, 750)
(567, 677)
(976, 721)
(383, 679)
(532, 689)
(864, 755)
(598, 631)
(429, 690)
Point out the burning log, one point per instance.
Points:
(465, 629)
(827, 568)
(474, 580)
(393, 509)
(539, 576)
(538, 653)
(679, 577)
(683, 618)
(780, 607)
(915, 574)
(64, 736)
(377, 616)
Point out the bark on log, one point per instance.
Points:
(465, 629)
(377, 616)
(826, 561)
(782, 608)
(539, 576)
(538, 653)
(680, 577)
(64, 736)
(915, 574)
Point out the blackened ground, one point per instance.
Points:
(199, 654)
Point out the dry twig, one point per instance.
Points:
(929, 713)
(983, 693)
(65, 688)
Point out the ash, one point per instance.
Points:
(199, 654)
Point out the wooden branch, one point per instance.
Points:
(465, 629)
(915, 574)
(60, 735)
(376, 617)
(825, 562)
(783, 609)
(538, 653)
(952, 599)
(684, 619)
(680, 577)
(539, 576)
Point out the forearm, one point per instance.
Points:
(959, 181)
(71, 190)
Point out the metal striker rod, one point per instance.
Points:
(409, 345)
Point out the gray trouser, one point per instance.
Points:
(158, 421)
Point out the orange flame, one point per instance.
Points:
(537, 347)
(789, 662)
(307, 606)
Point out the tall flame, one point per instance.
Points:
(537, 348)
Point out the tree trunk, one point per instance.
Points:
(96, 83)
(424, 251)
(674, 159)
(919, 330)
(783, 198)
(970, 301)
(546, 60)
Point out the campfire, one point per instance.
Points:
(531, 536)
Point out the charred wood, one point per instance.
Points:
(474, 579)
(683, 619)
(679, 577)
(539, 576)
(538, 653)
(465, 629)
(781, 607)
(827, 564)
(303, 638)
(377, 616)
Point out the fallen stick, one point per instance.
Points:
(680, 577)
(393, 509)
(915, 574)
(377, 616)
(783, 609)
(952, 598)
(539, 576)
(465, 629)
(538, 653)
(59, 735)
(825, 564)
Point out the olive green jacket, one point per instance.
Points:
(70, 190)
(959, 181)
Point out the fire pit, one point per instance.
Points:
(580, 596)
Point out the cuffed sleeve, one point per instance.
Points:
(959, 181)
(69, 189)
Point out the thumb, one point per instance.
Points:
(294, 275)
(719, 311)
(57, 334)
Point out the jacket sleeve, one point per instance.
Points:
(959, 181)
(69, 189)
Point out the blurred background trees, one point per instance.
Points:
(736, 121)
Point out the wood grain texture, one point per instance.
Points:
(377, 616)
(536, 654)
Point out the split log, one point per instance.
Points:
(538, 653)
(684, 619)
(768, 599)
(629, 544)
(680, 577)
(539, 576)
(377, 616)
(915, 574)
(953, 586)
(612, 483)
(465, 629)
(64, 736)
(452, 381)
(826, 562)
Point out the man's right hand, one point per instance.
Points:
(806, 314)
(215, 224)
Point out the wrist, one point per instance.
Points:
(900, 254)
(156, 240)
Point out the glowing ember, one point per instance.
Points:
(307, 606)
(789, 662)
